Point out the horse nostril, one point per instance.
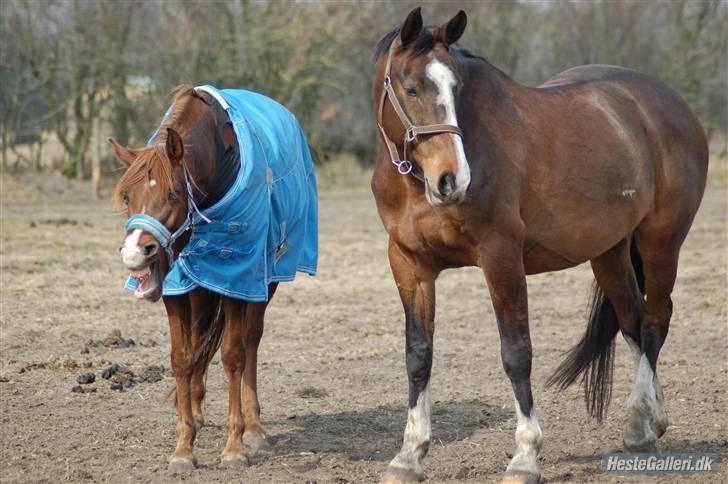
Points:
(446, 184)
(150, 249)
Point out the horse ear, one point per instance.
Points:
(412, 27)
(126, 155)
(175, 146)
(454, 28)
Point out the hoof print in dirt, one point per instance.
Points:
(312, 392)
(32, 366)
(86, 378)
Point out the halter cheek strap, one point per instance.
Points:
(412, 131)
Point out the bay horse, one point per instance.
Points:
(600, 164)
(222, 207)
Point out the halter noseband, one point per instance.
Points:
(412, 131)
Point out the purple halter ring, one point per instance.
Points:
(404, 167)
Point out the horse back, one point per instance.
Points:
(609, 141)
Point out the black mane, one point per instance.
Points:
(424, 43)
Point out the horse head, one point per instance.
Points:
(162, 181)
(417, 90)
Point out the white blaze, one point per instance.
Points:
(444, 79)
(131, 254)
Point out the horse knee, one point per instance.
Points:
(181, 363)
(516, 357)
(419, 361)
(233, 358)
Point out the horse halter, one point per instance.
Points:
(412, 131)
(161, 233)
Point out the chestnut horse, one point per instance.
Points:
(599, 164)
(190, 165)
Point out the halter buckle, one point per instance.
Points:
(410, 135)
(387, 81)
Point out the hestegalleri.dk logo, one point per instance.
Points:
(660, 463)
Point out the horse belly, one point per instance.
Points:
(581, 231)
(538, 259)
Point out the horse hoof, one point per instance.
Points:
(234, 461)
(644, 447)
(517, 477)
(199, 421)
(255, 441)
(661, 426)
(182, 464)
(397, 475)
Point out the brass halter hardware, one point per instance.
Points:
(412, 131)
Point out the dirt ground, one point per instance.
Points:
(332, 380)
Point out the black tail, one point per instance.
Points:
(592, 357)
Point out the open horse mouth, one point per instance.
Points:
(148, 283)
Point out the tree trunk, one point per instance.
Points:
(96, 158)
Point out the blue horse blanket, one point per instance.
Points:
(265, 228)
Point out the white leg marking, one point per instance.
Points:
(528, 443)
(643, 406)
(658, 409)
(131, 253)
(416, 435)
(445, 81)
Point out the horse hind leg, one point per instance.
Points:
(254, 436)
(206, 338)
(647, 420)
(620, 275)
(233, 359)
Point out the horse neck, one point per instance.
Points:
(211, 162)
(491, 111)
(200, 162)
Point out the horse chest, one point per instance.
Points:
(435, 233)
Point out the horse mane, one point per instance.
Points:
(151, 161)
(425, 42)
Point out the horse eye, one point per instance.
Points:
(411, 91)
(172, 196)
(126, 198)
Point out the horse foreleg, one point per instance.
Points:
(505, 275)
(178, 313)
(416, 286)
(233, 359)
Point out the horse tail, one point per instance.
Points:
(208, 345)
(592, 358)
(212, 338)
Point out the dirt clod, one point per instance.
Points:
(86, 378)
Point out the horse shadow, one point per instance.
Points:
(375, 434)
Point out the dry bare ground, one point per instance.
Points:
(332, 378)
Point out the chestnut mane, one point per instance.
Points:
(151, 161)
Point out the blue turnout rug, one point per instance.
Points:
(265, 228)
